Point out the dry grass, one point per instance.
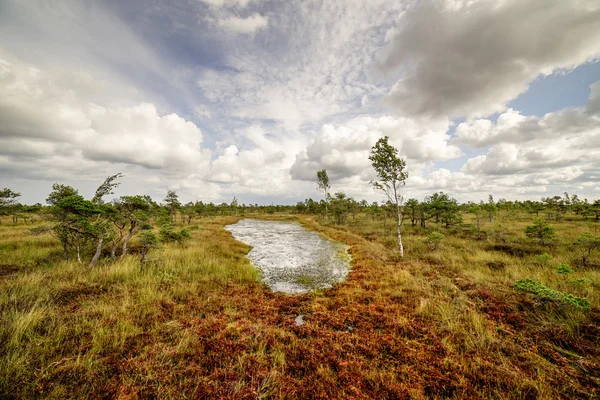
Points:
(196, 322)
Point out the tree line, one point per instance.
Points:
(87, 227)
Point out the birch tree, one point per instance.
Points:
(392, 177)
(323, 185)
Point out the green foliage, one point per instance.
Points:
(528, 285)
(389, 167)
(564, 269)
(540, 230)
(414, 208)
(392, 176)
(322, 185)
(490, 208)
(442, 208)
(78, 206)
(148, 240)
(106, 188)
(172, 204)
(168, 234)
(433, 239)
(580, 282)
(60, 192)
(323, 181)
(340, 205)
(8, 197)
(587, 244)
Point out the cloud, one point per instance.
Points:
(313, 64)
(249, 25)
(470, 58)
(49, 124)
(344, 150)
(249, 98)
(227, 3)
(519, 144)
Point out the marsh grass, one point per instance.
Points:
(195, 321)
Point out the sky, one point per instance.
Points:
(218, 99)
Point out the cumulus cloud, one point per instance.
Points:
(568, 137)
(469, 58)
(257, 165)
(49, 125)
(344, 150)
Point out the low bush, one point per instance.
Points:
(528, 285)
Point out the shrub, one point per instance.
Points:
(580, 282)
(148, 240)
(540, 230)
(528, 285)
(564, 269)
(168, 234)
(587, 243)
(433, 239)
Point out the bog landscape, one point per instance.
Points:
(300, 199)
(131, 298)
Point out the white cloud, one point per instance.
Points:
(50, 129)
(470, 58)
(282, 89)
(227, 3)
(568, 137)
(314, 64)
(248, 25)
(344, 150)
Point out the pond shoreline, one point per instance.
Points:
(292, 258)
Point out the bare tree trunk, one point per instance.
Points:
(98, 251)
(129, 236)
(66, 251)
(113, 251)
(78, 254)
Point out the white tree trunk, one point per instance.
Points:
(98, 251)
(398, 221)
(399, 224)
(326, 211)
(124, 248)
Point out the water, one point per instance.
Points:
(292, 259)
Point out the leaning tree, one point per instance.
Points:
(392, 176)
